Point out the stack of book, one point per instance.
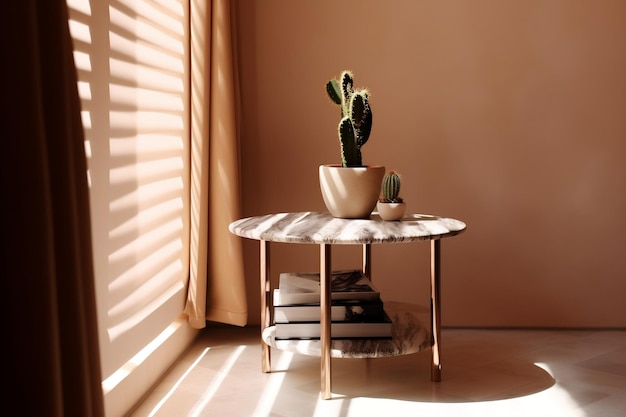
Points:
(357, 310)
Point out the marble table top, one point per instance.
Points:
(322, 227)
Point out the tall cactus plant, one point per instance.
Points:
(356, 117)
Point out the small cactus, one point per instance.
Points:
(390, 188)
(356, 117)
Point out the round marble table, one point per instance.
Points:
(325, 230)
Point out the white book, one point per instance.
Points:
(304, 287)
(340, 310)
(338, 330)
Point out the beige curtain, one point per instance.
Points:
(216, 287)
(51, 354)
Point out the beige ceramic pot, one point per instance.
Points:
(390, 211)
(351, 193)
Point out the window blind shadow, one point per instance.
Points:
(132, 63)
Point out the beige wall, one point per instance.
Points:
(508, 115)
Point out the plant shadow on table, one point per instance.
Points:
(470, 374)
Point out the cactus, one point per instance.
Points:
(356, 117)
(390, 188)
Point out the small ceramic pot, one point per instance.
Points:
(390, 211)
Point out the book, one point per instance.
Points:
(340, 310)
(375, 329)
(304, 287)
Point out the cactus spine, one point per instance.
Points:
(356, 117)
(390, 188)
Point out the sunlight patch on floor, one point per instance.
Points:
(547, 405)
(549, 402)
(273, 386)
(208, 394)
(178, 383)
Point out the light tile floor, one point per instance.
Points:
(566, 373)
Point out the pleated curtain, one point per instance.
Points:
(217, 285)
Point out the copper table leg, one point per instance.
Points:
(435, 309)
(266, 365)
(325, 336)
(367, 260)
